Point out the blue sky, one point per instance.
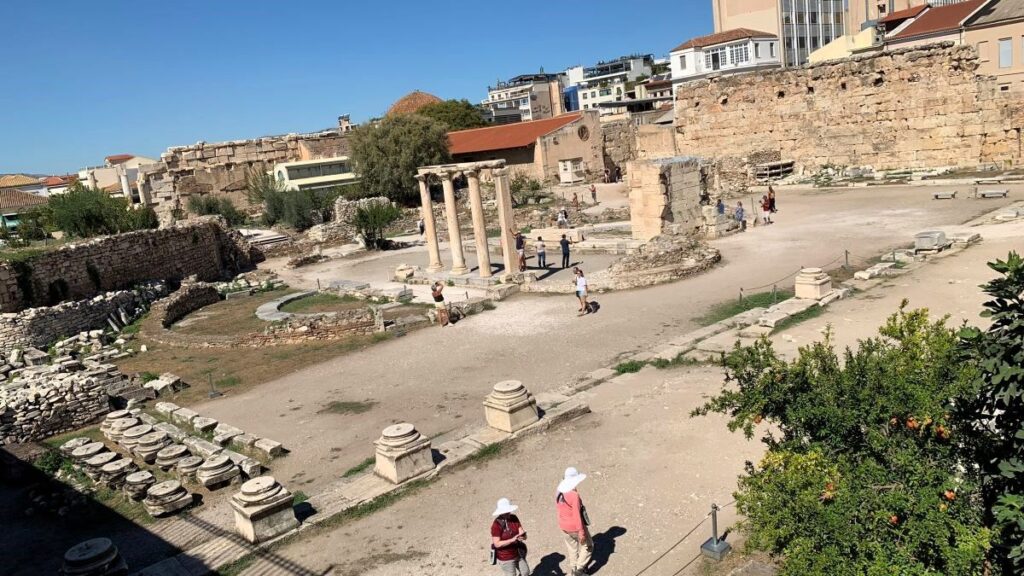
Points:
(83, 79)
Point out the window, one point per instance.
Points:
(814, 17)
(771, 49)
(739, 54)
(1005, 53)
(606, 92)
(1004, 87)
(802, 42)
(593, 94)
(983, 51)
(584, 95)
(800, 18)
(682, 62)
(714, 59)
(814, 42)
(757, 49)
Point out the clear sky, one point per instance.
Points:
(83, 79)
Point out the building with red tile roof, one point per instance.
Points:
(733, 51)
(936, 24)
(565, 148)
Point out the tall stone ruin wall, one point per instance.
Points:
(190, 297)
(199, 247)
(914, 108)
(664, 196)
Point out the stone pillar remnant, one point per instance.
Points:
(502, 188)
(812, 284)
(150, 445)
(217, 470)
(187, 468)
(263, 510)
(131, 436)
(165, 498)
(113, 473)
(137, 483)
(95, 557)
(451, 209)
(93, 466)
(402, 453)
(169, 456)
(118, 427)
(476, 207)
(510, 407)
(429, 226)
(68, 447)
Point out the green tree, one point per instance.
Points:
(387, 154)
(864, 473)
(994, 417)
(208, 205)
(82, 212)
(371, 220)
(454, 114)
(259, 185)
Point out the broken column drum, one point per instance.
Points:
(87, 451)
(812, 284)
(169, 456)
(263, 510)
(137, 484)
(117, 428)
(149, 445)
(402, 453)
(93, 467)
(68, 447)
(510, 407)
(166, 498)
(96, 557)
(110, 418)
(187, 467)
(113, 473)
(217, 470)
(131, 436)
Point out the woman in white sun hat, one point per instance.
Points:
(507, 540)
(573, 521)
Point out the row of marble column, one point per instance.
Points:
(479, 224)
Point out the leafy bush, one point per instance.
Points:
(299, 209)
(213, 205)
(994, 416)
(83, 212)
(454, 114)
(386, 154)
(525, 188)
(864, 475)
(371, 220)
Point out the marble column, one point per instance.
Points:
(505, 220)
(476, 206)
(451, 210)
(429, 228)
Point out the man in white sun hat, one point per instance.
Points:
(507, 540)
(573, 521)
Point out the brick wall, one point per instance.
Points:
(914, 108)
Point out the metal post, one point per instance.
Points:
(773, 293)
(713, 547)
(741, 295)
(847, 254)
(213, 390)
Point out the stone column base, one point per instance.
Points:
(510, 407)
(402, 453)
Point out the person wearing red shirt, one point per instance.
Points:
(507, 539)
(572, 520)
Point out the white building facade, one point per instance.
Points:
(608, 81)
(524, 98)
(729, 52)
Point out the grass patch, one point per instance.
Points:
(679, 360)
(359, 468)
(486, 453)
(233, 317)
(629, 367)
(227, 382)
(299, 497)
(135, 326)
(148, 376)
(728, 309)
(341, 407)
(812, 312)
(322, 302)
(238, 566)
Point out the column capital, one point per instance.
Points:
(445, 175)
(421, 178)
(499, 171)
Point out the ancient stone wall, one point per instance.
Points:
(341, 227)
(82, 270)
(619, 143)
(190, 297)
(664, 196)
(655, 141)
(43, 403)
(913, 108)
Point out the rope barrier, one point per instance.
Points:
(681, 540)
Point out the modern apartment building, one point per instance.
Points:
(607, 81)
(997, 31)
(728, 52)
(524, 98)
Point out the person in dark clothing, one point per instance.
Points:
(771, 199)
(564, 243)
(520, 248)
(508, 540)
(437, 292)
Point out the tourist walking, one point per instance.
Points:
(564, 244)
(771, 199)
(508, 537)
(542, 252)
(421, 226)
(766, 210)
(581, 291)
(607, 175)
(740, 216)
(437, 292)
(720, 207)
(575, 202)
(618, 174)
(563, 218)
(593, 193)
(520, 248)
(573, 521)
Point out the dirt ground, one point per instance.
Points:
(436, 378)
(653, 470)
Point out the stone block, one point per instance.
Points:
(510, 407)
(203, 424)
(183, 416)
(173, 431)
(812, 284)
(243, 441)
(223, 434)
(402, 453)
(263, 510)
(201, 447)
(268, 447)
(166, 408)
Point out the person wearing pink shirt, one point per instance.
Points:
(573, 521)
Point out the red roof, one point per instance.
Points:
(722, 37)
(118, 158)
(506, 136)
(51, 181)
(940, 19)
(13, 200)
(899, 15)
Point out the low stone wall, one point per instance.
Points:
(200, 247)
(40, 327)
(43, 403)
(189, 298)
(341, 228)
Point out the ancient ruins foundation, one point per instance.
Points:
(912, 108)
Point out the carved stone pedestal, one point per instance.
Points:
(402, 453)
(96, 557)
(510, 407)
(812, 284)
(217, 471)
(131, 436)
(263, 510)
(166, 498)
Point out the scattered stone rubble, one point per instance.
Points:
(665, 258)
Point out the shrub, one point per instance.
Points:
(371, 220)
(212, 205)
(386, 154)
(84, 212)
(864, 474)
(525, 188)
